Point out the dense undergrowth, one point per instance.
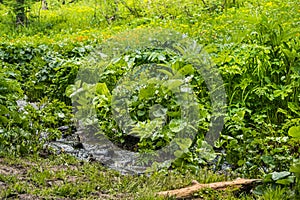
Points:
(255, 46)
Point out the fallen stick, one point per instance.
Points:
(195, 187)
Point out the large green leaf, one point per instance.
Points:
(186, 70)
(147, 92)
(101, 89)
(294, 131)
(280, 175)
(295, 168)
(176, 125)
(286, 181)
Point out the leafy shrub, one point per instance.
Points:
(46, 70)
(148, 94)
(14, 139)
(263, 73)
(10, 91)
(155, 111)
(38, 74)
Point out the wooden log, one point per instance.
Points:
(195, 187)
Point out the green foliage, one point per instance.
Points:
(46, 69)
(153, 113)
(263, 67)
(255, 46)
(10, 90)
(13, 138)
(33, 127)
(37, 73)
(295, 168)
(65, 177)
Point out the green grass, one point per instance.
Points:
(64, 176)
(243, 40)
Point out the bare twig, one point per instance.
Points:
(195, 187)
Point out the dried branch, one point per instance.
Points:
(195, 187)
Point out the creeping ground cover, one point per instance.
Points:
(187, 89)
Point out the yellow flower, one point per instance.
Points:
(269, 4)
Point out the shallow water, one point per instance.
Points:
(109, 155)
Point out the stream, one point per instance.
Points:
(88, 147)
(91, 149)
